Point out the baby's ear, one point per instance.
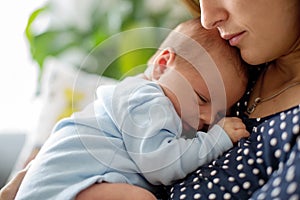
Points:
(162, 61)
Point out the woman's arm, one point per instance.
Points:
(284, 182)
(9, 191)
(115, 191)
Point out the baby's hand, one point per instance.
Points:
(234, 127)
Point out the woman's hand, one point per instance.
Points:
(9, 191)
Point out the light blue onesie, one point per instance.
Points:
(130, 134)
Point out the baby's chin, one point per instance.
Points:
(188, 128)
(188, 132)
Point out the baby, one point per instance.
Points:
(138, 131)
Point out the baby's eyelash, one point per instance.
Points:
(202, 98)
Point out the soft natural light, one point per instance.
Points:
(18, 74)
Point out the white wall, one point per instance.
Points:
(18, 74)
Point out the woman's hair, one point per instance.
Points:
(193, 6)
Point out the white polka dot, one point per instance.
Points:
(237, 113)
(282, 125)
(222, 188)
(172, 189)
(239, 158)
(196, 187)
(242, 175)
(246, 185)
(231, 179)
(225, 167)
(259, 153)
(195, 179)
(213, 173)
(226, 161)
(172, 195)
(276, 182)
(292, 188)
(272, 122)
(258, 138)
(255, 171)
(258, 119)
(260, 145)
(197, 196)
(265, 187)
(294, 197)
(280, 167)
(269, 170)
(295, 119)
(210, 185)
(261, 196)
(240, 167)
(212, 196)
(235, 189)
(290, 174)
(273, 142)
(183, 189)
(262, 129)
(227, 196)
(182, 183)
(239, 150)
(286, 147)
(296, 129)
(295, 111)
(246, 151)
(198, 171)
(271, 131)
(275, 192)
(183, 196)
(284, 135)
(291, 159)
(250, 161)
(282, 116)
(216, 180)
(259, 161)
(277, 153)
(261, 182)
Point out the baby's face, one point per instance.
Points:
(197, 100)
(190, 96)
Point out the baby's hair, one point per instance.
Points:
(210, 40)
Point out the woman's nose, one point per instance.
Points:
(213, 14)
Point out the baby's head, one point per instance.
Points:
(197, 68)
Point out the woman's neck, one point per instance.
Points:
(286, 68)
(278, 87)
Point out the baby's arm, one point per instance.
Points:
(234, 127)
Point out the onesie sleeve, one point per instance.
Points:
(151, 130)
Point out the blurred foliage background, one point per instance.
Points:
(70, 31)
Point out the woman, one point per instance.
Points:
(267, 165)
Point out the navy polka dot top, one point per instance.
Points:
(264, 166)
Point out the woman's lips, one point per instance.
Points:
(233, 39)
